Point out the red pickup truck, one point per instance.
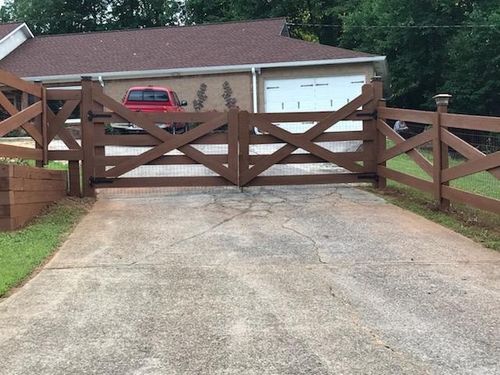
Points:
(152, 99)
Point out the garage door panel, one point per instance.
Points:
(313, 94)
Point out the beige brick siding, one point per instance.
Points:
(187, 86)
(241, 84)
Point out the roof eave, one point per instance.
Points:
(205, 70)
(22, 27)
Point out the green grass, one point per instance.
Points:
(482, 183)
(24, 250)
(57, 165)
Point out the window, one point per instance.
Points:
(148, 96)
(176, 99)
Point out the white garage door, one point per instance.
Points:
(313, 94)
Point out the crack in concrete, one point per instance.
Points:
(357, 321)
(315, 247)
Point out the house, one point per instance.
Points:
(256, 64)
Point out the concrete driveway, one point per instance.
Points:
(299, 280)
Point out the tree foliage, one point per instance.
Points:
(472, 70)
(58, 16)
(424, 57)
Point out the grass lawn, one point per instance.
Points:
(482, 183)
(481, 226)
(22, 251)
(60, 166)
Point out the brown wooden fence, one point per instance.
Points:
(441, 138)
(224, 143)
(29, 117)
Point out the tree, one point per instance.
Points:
(300, 13)
(472, 72)
(144, 13)
(416, 55)
(59, 16)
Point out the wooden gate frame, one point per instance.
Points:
(93, 96)
(238, 171)
(306, 141)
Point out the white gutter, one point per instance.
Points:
(254, 90)
(203, 70)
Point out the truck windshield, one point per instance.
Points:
(148, 96)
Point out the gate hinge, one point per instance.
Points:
(91, 115)
(367, 176)
(100, 180)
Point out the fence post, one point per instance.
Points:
(232, 142)
(38, 122)
(440, 151)
(45, 130)
(371, 126)
(99, 131)
(87, 137)
(244, 144)
(74, 178)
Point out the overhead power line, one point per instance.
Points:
(395, 26)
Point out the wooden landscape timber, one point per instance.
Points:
(26, 191)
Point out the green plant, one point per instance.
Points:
(24, 250)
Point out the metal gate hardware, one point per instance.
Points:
(91, 115)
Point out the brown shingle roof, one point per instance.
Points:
(6, 28)
(232, 43)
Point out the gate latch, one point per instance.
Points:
(100, 180)
(91, 115)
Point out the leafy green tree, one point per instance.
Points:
(202, 11)
(473, 70)
(416, 55)
(305, 16)
(144, 13)
(59, 16)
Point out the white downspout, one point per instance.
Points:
(101, 81)
(254, 90)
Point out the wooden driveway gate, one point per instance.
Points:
(238, 148)
(98, 109)
(234, 163)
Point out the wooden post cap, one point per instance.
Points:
(442, 99)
